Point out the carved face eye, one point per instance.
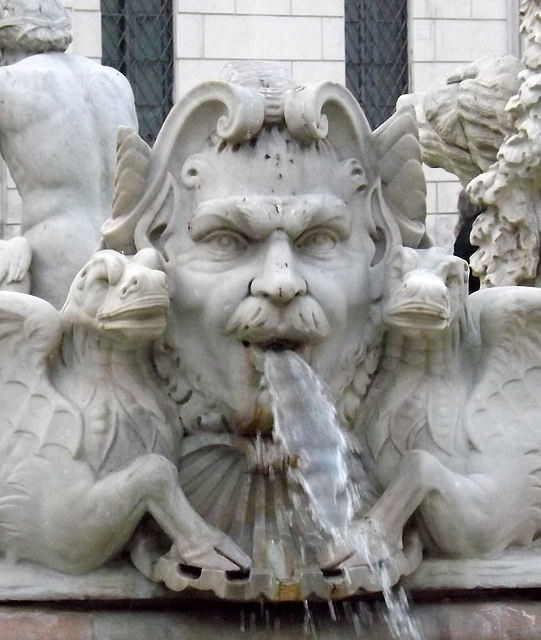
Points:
(402, 261)
(396, 268)
(81, 279)
(317, 241)
(225, 244)
(395, 272)
(94, 276)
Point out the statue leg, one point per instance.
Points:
(80, 522)
(473, 514)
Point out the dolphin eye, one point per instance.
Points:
(97, 274)
(81, 279)
(99, 281)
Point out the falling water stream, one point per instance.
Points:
(307, 427)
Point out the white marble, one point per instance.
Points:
(464, 121)
(59, 115)
(269, 217)
(15, 258)
(450, 422)
(483, 126)
(274, 216)
(508, 234)
(89, 438)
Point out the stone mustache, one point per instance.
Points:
(267, 215)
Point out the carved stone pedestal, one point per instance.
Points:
(116, 603)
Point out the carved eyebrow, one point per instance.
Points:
(321, 210)
(257, 217)
(226, 213)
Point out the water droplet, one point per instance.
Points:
(332, 610)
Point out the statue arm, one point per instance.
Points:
(15, 258)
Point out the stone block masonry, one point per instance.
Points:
(307, 37)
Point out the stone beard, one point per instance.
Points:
(269, 244)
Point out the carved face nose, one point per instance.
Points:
(279, 279)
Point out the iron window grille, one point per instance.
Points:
(377, 55)
(137, 39)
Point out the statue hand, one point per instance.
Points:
(15, 257)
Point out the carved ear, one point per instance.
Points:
(402, 178)
(328, 110)
(133, 163)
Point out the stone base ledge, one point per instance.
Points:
(450, 600)
(117, 581)
(482, 620)
(517, 569)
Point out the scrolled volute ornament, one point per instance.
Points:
(327, 110)
(234, 111)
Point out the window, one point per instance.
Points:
(376, 55)
(137, 39)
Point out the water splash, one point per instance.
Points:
(313, 620)
(307, 427)
(397, 609)
(308, 626)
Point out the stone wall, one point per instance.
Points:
(86, 20)
(307, 36)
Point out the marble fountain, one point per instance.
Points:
(241, 393)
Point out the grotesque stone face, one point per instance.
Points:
(274, 206)
(426, 291)
(270, 254)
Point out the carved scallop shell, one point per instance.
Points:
(239, 485)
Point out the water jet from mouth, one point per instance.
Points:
(276, 346)
(307, 427)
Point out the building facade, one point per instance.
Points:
(308, 38)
